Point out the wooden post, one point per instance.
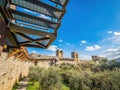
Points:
(18, 56)
(3, 32)
(13, 53)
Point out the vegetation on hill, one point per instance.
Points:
(89, 76)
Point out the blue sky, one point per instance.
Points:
(89, 27)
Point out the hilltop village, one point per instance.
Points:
(47, 61)
(29, 24)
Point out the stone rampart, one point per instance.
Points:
(11, 70)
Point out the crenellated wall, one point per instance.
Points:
(11, 70)
(47, 61)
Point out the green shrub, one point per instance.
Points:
(35, 72)
(50, 80)
(66, 66)
(103, 76)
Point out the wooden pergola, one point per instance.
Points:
(27, 19)
(31, 23)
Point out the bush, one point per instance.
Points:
(35, 72)
(108, 80)
(104, 76)
(66, 66)
(50, 80)
(105, 66)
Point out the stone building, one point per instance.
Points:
(59, 53)
(47, 61)
(98, 59)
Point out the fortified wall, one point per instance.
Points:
(11, 71)
(47, 61)
(13, 66)
(98, 59)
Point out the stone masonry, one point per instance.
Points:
(47, 61)
(11, 71)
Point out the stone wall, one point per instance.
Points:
(44, 63)
(66, 61)
(11, 71)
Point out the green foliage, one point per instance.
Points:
(88, 76)
(35, 72)
(15, 86)
(33, 85)
(51, 80)
(108, 80)
(66, 66)
(105, 66)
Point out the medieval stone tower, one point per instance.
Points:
(59, 53)
(75, 56)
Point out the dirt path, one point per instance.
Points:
(23, 84)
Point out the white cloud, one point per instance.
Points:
(85, 57)
(92, 48)
(114, 39)
(83, 41)
(116, 33)
(34, 51)
(60, 40)
(109, 32)
(110, 50)
(51, 54)
(112, 53)
(53, 48)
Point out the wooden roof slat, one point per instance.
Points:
(31, 45)
(33, 19)
(3, 3)
(11, 40)
(39, 7)
(36, 40)
(30, 39)
(60, 2)
(52, 22)
(15, 28)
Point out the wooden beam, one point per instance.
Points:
(4, 14)
(64, 11)
(10, 41)
(30, 39)
(34, 26)
(13, 53)
(49, 43)
(35, 40)
(60, 2)
(57, 27)
(33, 19)
(46, 9)
(18, 56)
(22, 57)
(15, 28)
(35, 46)
(25, 52)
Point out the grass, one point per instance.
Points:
(64, 87)
(35, 86)
(15, 86)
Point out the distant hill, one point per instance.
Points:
(117, 59)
